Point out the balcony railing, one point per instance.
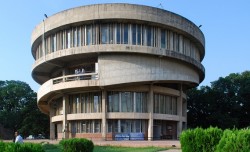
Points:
(76, 77)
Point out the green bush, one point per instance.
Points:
(26, 147)
(77, 145)
(187, 140)
(2, 146)
(200, 139)
(234, 141)
(212, 138)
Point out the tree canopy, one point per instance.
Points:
(226, 104)
(19, 111)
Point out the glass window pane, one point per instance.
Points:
(75, 37)
(118, 34)
(134, 34)
(138, 126)
(96, 104)
(68, 39)
(139, 29)
(104, 34)
(149, 36)
(97, 126)
(89, 32)
(127, 102)
(125, 36)
(163, 39)
(138, 102)
(113, 102)
(93, 35)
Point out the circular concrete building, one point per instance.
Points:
(116, 71)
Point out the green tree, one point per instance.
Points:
(225, 104)
(18, 109)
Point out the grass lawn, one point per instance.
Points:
(126, 149)
(57, 148)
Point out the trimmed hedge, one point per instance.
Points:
(234, 141)
(26, 147)
(77, 145)
(200, 139)
(215, 140)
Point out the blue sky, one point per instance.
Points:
(225, 24)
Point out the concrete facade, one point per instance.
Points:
(116, 71)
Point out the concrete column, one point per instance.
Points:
(151, 113)
(179, 112)
(65, 112)
(104, 111)
(51, 124)
(63, 72)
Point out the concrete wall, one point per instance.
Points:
(126, 68)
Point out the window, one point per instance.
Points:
(118, 34)
(163, 39)
(68, 39)
(75, 37)
(134, 34)
(139, 34)
(149, 36)
(165, 104)
(89, 35)
(104, 34)
(125, 34)
(85, 103)
(97, 126)
(141, 102)
(127, 102)
(126, 126)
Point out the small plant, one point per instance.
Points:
(26, 147)
(200, 139)
(77, 145)
(234, 141)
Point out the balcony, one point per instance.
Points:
(67, 82)
(76, 77)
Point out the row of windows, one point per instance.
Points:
(118, 102)
(117, 33)
(85, 103)
(127, 126)
(127, 102)
(164, 104)
(113, 126)
(85, 126)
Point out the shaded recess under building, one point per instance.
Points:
(116, 71)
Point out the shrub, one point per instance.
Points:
(200, 139)
(77, 145)
(2, 146)
(26, 147)
(234, 141)
(187, 140)
(212, 138)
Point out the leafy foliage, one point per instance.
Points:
(225, 104)
(234, 141)
(200, 139)
(26, 147)
(19, 111)
(77, 145)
